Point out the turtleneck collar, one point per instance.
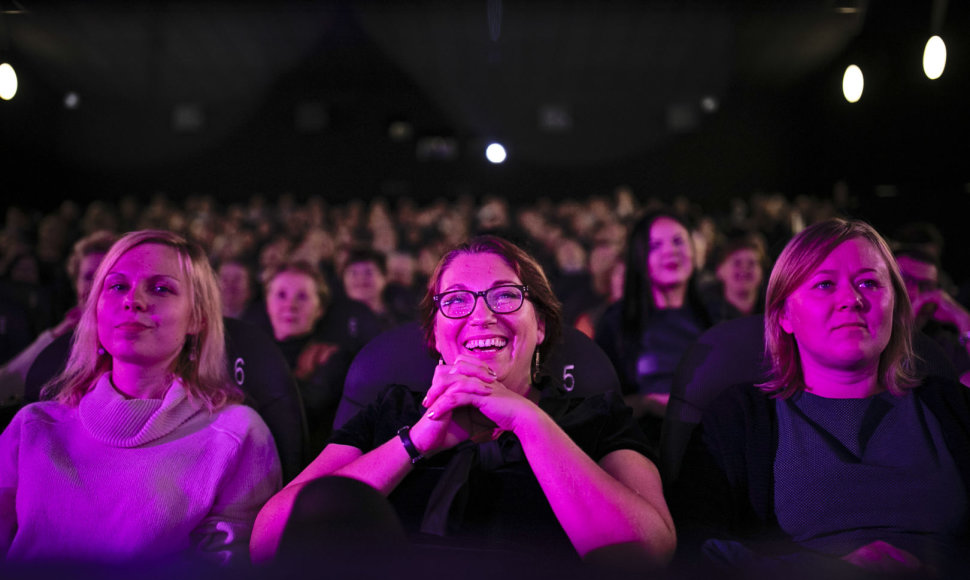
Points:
(115, 420)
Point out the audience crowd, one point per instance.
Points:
(641, 277)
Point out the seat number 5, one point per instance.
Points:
(568, 380)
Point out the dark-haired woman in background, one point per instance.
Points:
(647, 332)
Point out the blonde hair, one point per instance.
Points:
(202, 363)
(797, 261)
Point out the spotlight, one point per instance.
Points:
(852, 83)
(495, 153)
(8, 82)
(934, 58)
(71, 100)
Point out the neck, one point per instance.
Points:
(376, 306)
(743, 300)
(139, 382)
(842, 384)
(669, 296)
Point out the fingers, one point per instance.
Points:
(456, 393)
(463, 368)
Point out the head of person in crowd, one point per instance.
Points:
(236, 285)
(401, 268)
(516, 296)
(154, 305)
(836, 302)
(364, 277)
(570, 256)
(86, 256)
(921, 275)
(739, 264)
(297, 297)
(21, 266)
(923, 236)
(659, 268)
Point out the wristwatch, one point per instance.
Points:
(405, 436)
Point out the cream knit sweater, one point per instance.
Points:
(117, 479)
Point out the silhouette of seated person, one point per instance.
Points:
(83, 262)
(646, 333)
(936, 312)
(318, 340)
(739, 262)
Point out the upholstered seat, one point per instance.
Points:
(400, 356)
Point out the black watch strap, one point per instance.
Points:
(404, 434)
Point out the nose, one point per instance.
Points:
(135, 300)
(481, 313)
(851, 297)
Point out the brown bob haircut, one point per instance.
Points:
(797, 262)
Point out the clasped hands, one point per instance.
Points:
(467, 401)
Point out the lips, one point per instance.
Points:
(851, 325)
(132, 327)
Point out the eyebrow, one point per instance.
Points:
(830, 272)
(460, 286)
(152, 278)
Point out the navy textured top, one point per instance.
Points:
(840, 463)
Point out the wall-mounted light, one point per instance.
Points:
(852, 83)
(934, 58)
(8, 82)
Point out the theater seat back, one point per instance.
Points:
(399, 356)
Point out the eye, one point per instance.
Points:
(824, 285)
(456, 299)
(162, 289)
(870, 284)
(117, 287)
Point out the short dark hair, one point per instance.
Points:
(362, 255)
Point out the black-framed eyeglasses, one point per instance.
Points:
(504, 299)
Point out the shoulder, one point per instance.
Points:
(241, 423)
(50, 412)
(599, 424)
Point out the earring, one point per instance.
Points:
(441, 361)
(100, 350)
(535, 368)
(190, 344)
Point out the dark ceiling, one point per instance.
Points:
(233, 98)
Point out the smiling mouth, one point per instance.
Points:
(486, 344)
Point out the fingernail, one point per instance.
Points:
(430, 414)
(453, 370)
(490, 371)
(424, 403)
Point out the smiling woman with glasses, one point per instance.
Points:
(490, 461)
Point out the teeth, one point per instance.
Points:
(481, 343)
